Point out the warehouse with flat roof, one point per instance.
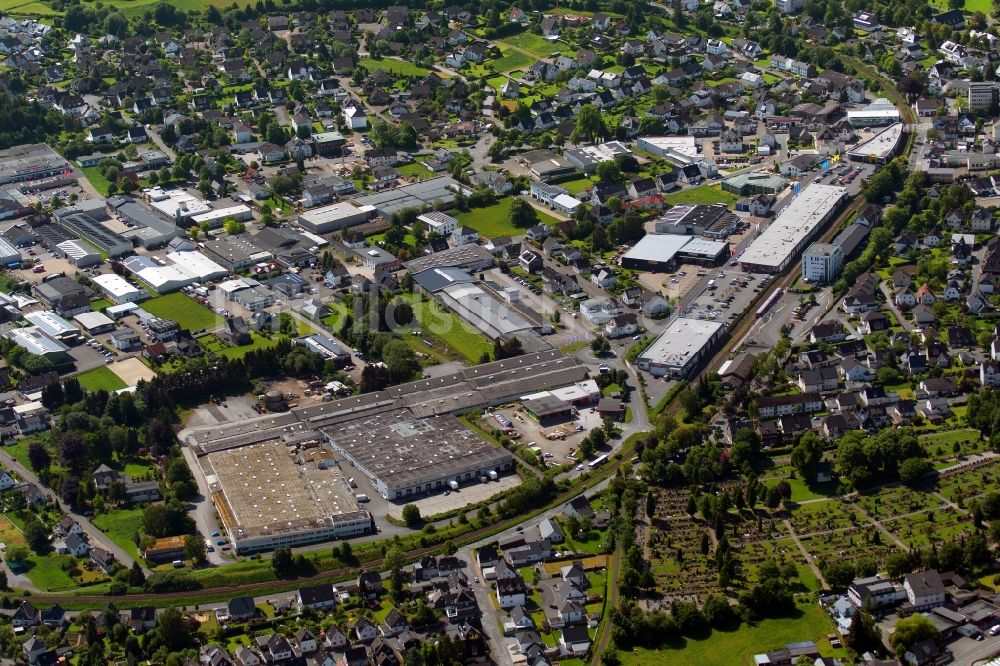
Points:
(334, 217)
(36, 342)
(118, 289)
(54, 326)
(404, 456)
(679, 348)
(78, 253)
(793, 228)
(663, 252)
(32, 161)
(431, 193)
(279, 493)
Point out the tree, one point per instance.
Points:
(233, 227)
(912, 630)
(600, 346)
(913, 469)
(411, 515)
(589, 125)
(36, 536)
(17, 553)
(806, 456)
(401, 360)
(194, 548)
(719, 613)
(281, 561)
(38, 455)
(522, 214)
(609, 172)
(864, 634)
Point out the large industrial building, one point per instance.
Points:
(272, 494)
(662, 252)
(32, 161)
(793, 228)
(879, 113)
(435, 192)
(36, 342)
(10, 256)
(713, 221)
(406, 439)
(677, 350)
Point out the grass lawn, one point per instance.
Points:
(578, 185)
(702, 194)
(183, 309)
(9, 535)
(510, 60)
(802, 492)
(393, 66)
(437, 324)
(337, 317)
(19, 449)
(96, 179)
(101, 379)
(415, 170)
(491, 221)
(120, 525)
(529, 41)
(213, 344)
(100, 304)
(44, 572)
(726, 648)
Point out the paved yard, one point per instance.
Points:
(469, 493)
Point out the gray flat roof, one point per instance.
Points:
(880, 146)
(461, 256)
(416, 195)
(793, 225)
(657, 247)
(681, 341)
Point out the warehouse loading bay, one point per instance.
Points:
(558, 439)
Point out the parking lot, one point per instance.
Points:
(449, 500)
(729, 292)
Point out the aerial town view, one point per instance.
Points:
(554, 332)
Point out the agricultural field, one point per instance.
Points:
(492, 221)
(183, 309)
(100, 379)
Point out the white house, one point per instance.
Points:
(924, 589)
(511, 592)
(355, 117)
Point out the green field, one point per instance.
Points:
(529, 41)
(183, 309)
(415, 170)
(702, 194)
(44, 572)
(492, 220)
(120, 526)
(726, 648)
(510, 60)
(31, 8)
(211, 343)
(101, 379)
(100, 304)
(436, 323)
(394, 66)
(96, 179)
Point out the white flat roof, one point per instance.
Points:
(175, 202)
(238, 212)
(681, 341)
(658, 247)
(679, 144)
(165, 278)
(793, 225)
(197, 265)
(333, 212)
(115, 285)
(92, 320)
(567, 201)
